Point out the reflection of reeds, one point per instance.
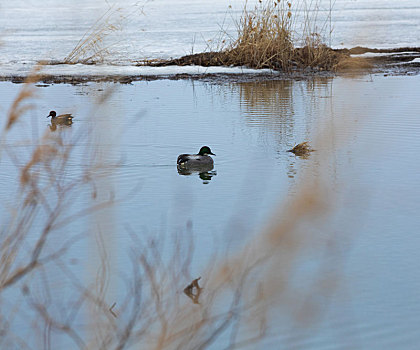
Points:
(266, 99)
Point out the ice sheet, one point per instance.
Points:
(49, 30)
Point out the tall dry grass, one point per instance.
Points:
(34, 229)
(275, 34)
(91, 47)
(264, 36)
(98, 40)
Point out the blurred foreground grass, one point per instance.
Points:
(237, 302)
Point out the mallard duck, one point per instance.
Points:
(62, 118)
(196, 160)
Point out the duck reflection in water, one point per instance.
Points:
(205, 173)
(59, 126)
(201, 164)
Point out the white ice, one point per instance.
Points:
(33, 30)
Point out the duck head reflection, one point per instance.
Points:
(204, 171)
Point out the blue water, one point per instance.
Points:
(366, 134)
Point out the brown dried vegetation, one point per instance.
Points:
(302, 149)
(265, 40)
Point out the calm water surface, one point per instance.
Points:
(369, 129)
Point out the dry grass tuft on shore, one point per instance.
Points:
(264, 36)
(267, 38)
(91, 46)
(95, 44)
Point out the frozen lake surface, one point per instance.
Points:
(49, 30)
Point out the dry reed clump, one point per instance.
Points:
(266, 38)
(316, 54)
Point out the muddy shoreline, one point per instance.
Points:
(400, 61)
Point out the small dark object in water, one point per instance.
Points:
(193, 290)
(196, 160)
(60, 119)
(111, 310)
(301, 149)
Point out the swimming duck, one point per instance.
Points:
(196, 160)
(61, 119)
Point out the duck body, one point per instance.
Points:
(202, 159)
(60, 119)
